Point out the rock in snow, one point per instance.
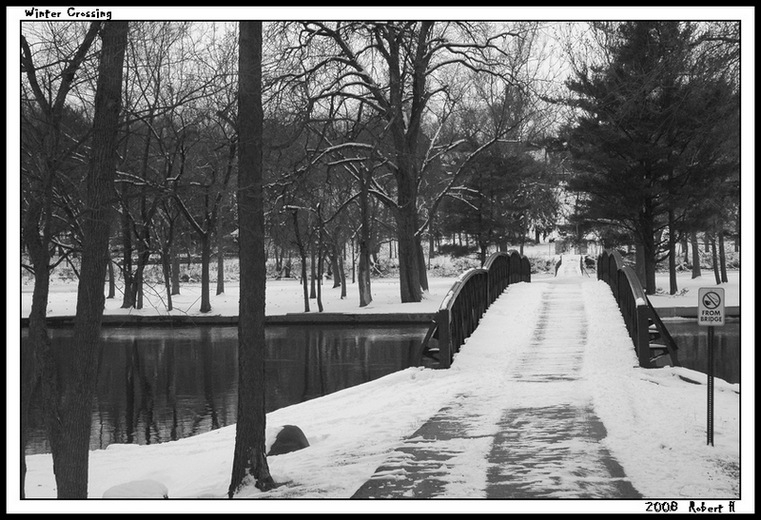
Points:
(289, 438)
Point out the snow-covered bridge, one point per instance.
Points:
(530, 406)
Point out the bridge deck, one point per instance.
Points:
(529, 412)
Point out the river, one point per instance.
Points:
(157, 384)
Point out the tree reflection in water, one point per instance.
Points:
(162, 384)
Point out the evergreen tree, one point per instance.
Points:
(647, 144)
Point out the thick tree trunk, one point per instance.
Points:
(70, 439)
(205, 277)
(313, 277)
(409, 272)
(363, 275)
(422, 270)
(650, 285)
(639, 262)
(38, 362)
(175, 272)
(696, 272)
(142, 262)
(647, 238)
(343, 276)
(39, 371)
(714, 259)
(249, 457)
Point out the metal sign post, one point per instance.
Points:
(710, 314)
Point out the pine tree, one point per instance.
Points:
(647, 144)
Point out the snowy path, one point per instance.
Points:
(534, 427)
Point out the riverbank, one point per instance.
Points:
(285, 303)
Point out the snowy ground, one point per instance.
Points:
(285, 296)
(659, 436)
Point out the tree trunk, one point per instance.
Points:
(166, 267)
(38, 364)
(353, 263)
(650, 286)
(142, 261)
(313, 277)
(205, 278)
(303, 255)
(70, 439)
(431, 245)
(175, 272)
(249, 457)
(715, 259)
(639, 263)
(722, 258)
(39, 369)
(342, 274)
(672, 254)
(128, 299)
(365, 291)
(647, 237)
(111, 279)
(320, 262)
(696, 273)
(422, 271)
(334, 267)
(220, 262)
(363, 275)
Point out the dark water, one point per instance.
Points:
(161, 384)
(692, 344)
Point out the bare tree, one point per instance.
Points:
(249, 458)
(70, 398)
(398, 70)
(52, 148)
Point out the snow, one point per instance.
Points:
(655, 419)
(138, 488)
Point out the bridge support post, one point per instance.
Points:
(445, 339)
(643, 335)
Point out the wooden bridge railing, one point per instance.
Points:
(634, 304)
(471, 294)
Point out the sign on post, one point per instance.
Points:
(711, 306)
(710, 314)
